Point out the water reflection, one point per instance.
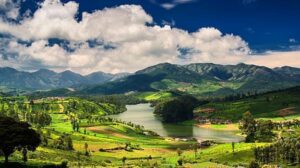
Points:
(142, 114)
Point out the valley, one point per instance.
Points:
(104, 132)
(149, 84)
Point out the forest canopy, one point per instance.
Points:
(177, 109)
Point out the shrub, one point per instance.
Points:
(64, 164)
(253, 164)
(180, 162)
(107, 161)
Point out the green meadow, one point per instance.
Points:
(100, 141)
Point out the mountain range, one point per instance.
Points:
(197, 78)
(202, 79)
(45, 79)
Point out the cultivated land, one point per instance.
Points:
(105, 142)
(277, 106)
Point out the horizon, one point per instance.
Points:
(33, 71)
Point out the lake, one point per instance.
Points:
(142, 114)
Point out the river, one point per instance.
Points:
(142, 114)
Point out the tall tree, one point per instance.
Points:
(14, 134)
(248, 126)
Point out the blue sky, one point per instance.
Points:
(264, 24)
(118, 35)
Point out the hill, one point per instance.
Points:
(44, 79)
(199, 79)
(202, 79)
(276, 104)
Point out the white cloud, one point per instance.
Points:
(168, 6)
(276, 59)
(174, 3)
(136, 45)
(292, 40)
(56, 20)
(10, 8)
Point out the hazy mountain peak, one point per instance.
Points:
(249, 77)
(46, 72)
(8, 69)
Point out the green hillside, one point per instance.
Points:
(204, 80)
(278, 104)
(98, 140)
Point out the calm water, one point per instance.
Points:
(142, 114)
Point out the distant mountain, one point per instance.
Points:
(99, 77)
(205, 79)
(145, 80)
(202, 79)
(45, 79)
(249, 77)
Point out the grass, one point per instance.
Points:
(267, 106)
(220, 154)
(163, 151)
(278, 119)
(151, 96)
(195, 88)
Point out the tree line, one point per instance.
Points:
(285, 150)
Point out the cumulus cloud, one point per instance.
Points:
(276, 59)
(118, 39)
(126, 28)
(10, 8)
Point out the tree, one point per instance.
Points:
(78, 158)
(2, 110)
(195, 148)
(180, 162)
(177, 109)
(24, 153)
(86, 146)
(15, 135)
(179, 152)
(264, 130)
(64, 142)
(124, 160)
(69, 142)
(248, 126)
(253, 164)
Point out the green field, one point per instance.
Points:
(109, 141)
(279, 105)
(110, 135)
(151, 96)
(202, 88)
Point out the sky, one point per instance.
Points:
(124, 36)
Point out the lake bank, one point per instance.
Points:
(142, 114)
